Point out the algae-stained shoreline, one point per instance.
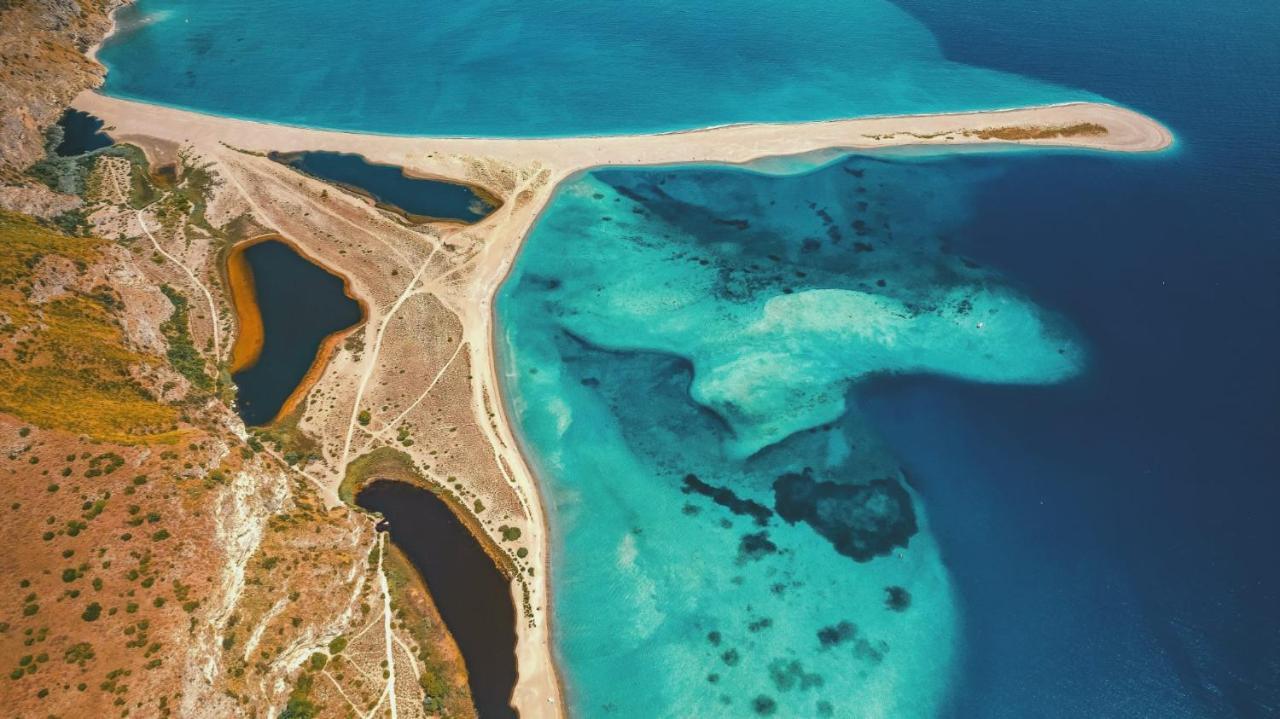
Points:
(420, 374)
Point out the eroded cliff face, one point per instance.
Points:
(42, 67)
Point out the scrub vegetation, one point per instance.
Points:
(64, 362)
(149, 534)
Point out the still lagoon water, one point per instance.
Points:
(792, 488)
(417, 197)
(301, 304)
(466, 586)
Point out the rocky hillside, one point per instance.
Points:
(42, 67)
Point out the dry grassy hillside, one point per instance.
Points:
(160, 560)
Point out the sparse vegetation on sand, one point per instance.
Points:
(1040, 132)
(182, 351)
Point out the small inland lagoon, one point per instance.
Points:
(288, 308)
(469, 590)
(418, 198)
(81, 133)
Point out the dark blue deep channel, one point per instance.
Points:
(1113, 539)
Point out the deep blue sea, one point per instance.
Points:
(1066, 512)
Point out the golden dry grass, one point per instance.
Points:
(1037, 132)
(64, 364)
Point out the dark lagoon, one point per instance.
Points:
(81, 133)
(301, 305)
(388, 185)
(471, 593)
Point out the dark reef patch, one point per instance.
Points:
(897, 599)
(790, 674)
(754, 547)
(544, 282)
(837, 634)
(862, 521)
(726, 498)
(764, 706)
(846, 632)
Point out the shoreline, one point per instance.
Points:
(92, 51)
(1155, 138)
(247, 347)
(499, 238)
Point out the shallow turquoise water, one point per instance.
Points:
(678, 345)
(541, 67)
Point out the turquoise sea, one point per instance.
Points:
(899, 435)
(544, 68)
(679, 347)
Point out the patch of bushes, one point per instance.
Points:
(182, 352)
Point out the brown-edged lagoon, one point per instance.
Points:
(289, 310)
